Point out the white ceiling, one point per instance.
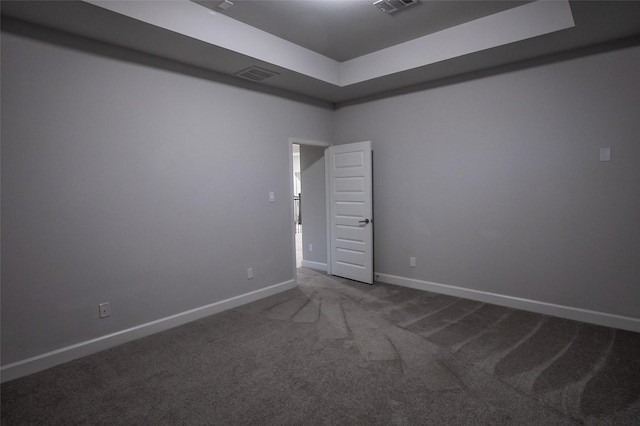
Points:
(340, 50)
(346, 29)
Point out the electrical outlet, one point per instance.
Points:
(249, 273)
(310, 247)
(104, 309)
(412, 262)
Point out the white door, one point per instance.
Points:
(350, 211)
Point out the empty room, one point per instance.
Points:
(468, 224)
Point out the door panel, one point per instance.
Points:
(349, 208)
(350, 211)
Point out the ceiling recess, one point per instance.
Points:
(255, 73)
(393, 6)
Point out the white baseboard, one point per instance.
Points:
(69, 353)
(314, 265)
(568, 312)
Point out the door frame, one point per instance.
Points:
(299, 141)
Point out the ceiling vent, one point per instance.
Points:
(214, 6)
(255, 73)
(393, 6)
(226, 4)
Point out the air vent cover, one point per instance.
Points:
(393, 6)
(255, 73)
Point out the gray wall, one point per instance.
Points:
(494, 184)
(314, 211)
(122, 182)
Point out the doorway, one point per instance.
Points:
(297, 201)
(308, 205)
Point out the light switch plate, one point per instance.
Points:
(605, 154)
(272, 197)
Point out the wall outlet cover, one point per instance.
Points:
(104, 309)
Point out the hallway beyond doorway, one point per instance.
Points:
(298, 249)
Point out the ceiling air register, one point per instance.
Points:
(393, 6)
(256, 73)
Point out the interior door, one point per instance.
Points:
(350, 211)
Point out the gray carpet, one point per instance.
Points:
(337, 352)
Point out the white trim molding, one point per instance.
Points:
(314, 265)
(568, 312)
(79, 350)
(300, 141)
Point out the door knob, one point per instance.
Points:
(364, 221)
